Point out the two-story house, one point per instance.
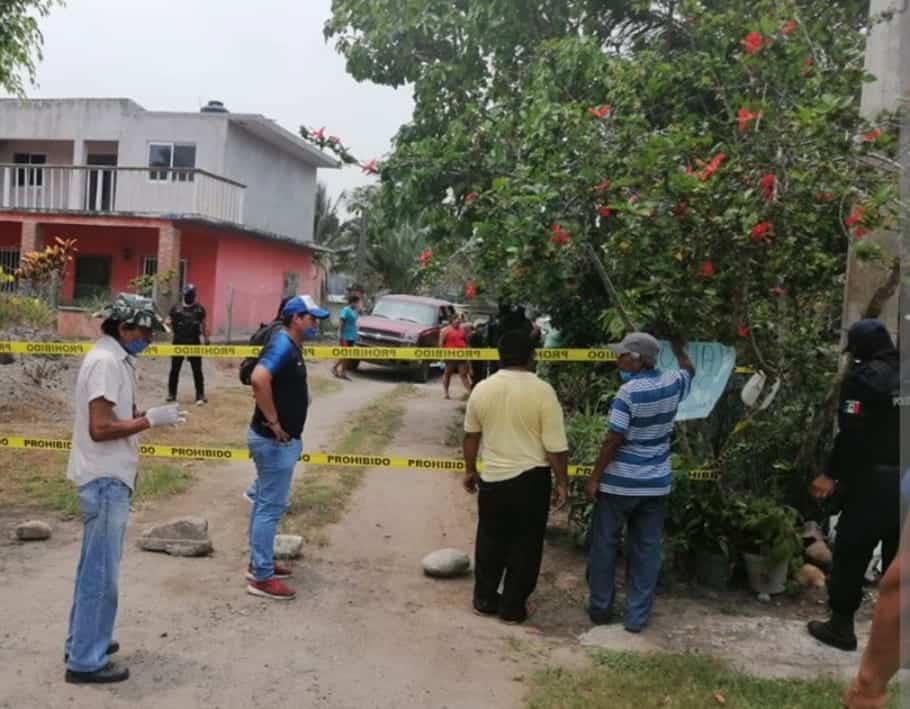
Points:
(223, 200)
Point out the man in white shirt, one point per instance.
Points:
(103, 464)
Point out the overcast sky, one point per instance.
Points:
(266, 56)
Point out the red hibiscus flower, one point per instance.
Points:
(712, 166)
(807, 64)
(824, 197)
(599, 111)
(681, 210)
(752, 42)
(872, 135)
(425, 257)
(469, 290)
(604, 211)
(856, 216)
(743, 117)
(706, 270)
(760, 232)
(369, 167)
(319, 134)
(471, 197)
(742, 331)
(601, 186)
(788, 27)
(558, 236)
(766, 185)
(859, 232)
(777, 292)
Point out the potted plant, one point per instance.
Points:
(710, 523)
(769, 541)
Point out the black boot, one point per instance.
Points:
(837, 632)
(108, 674)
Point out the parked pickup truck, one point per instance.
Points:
(404, 321)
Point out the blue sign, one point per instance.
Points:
(714, 363)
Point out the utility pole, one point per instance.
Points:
(361, 249)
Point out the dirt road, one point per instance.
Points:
(367, 629)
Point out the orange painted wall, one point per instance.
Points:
(255, 268)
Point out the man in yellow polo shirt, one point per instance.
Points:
(516, 419)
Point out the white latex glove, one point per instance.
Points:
(165, 416)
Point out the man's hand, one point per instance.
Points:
(591, 488)
(280, 434)
(822, 487)
(470, 481)
(560, 496)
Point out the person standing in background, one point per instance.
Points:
(348, 333)
(454, 337)
(188, 321)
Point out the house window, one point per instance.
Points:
(93, 278)
(150, 268)
(9, 262)
(165, 156)
(290, 283)
(31, 176)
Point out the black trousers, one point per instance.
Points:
(512, 520)
(871, 514)
(196, 364)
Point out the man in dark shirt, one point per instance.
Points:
(187, 320)
(865, 467)
(280, 388)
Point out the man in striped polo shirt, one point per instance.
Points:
(631, 479)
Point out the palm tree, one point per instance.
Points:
(393, 256)
(327, 229)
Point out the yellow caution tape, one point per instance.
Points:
(343, 460)
(367, 354)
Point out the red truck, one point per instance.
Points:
(404, 321)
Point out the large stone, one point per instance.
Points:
(187, 536)
(819, 554)
(446, 563)
(33, 531)
(287, 546)
(812, 532)
(810, 576)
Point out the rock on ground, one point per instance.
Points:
(446, 563)
(287, 546)
(186, 536)
(819, 554)
(810, 576)
(33, 531)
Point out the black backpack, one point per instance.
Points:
(260, 338)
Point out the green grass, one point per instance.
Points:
(321, 493)
(54, 492)
(621, 680)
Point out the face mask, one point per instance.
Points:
(625, 376)
(136, 346)
(311, 333)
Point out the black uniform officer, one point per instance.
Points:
(187, 319)
(865, 467)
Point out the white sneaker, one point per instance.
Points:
(201, 402)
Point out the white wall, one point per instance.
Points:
(281, 191)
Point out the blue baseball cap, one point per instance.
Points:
(304, 305)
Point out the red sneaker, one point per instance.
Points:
(270, 588)
(281, 572)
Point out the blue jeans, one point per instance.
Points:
(645, 519)
(274, 470)
(105, 506)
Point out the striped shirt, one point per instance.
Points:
(643, 412)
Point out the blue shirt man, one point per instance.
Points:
(631, 479)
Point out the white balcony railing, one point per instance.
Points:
(121, 190)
